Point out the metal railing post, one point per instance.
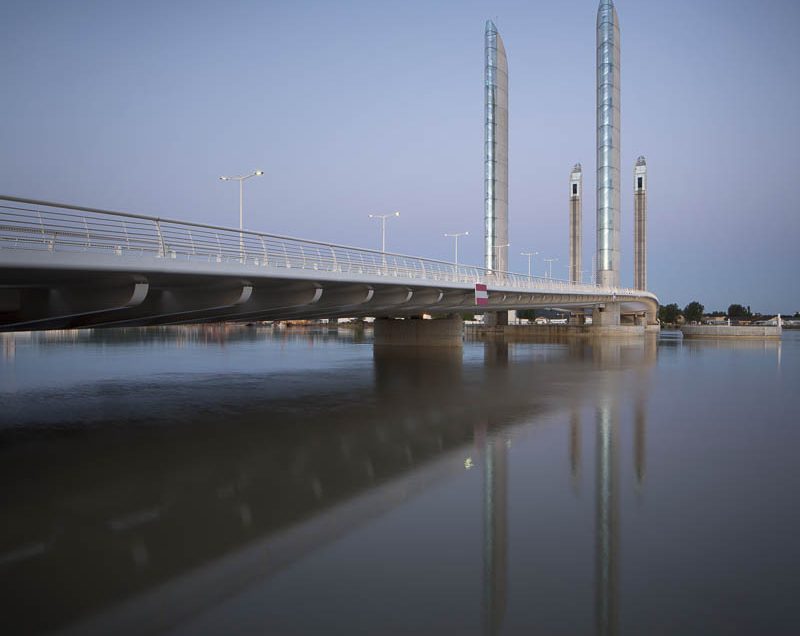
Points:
(41, 225)
(162, 247)
(127, 238)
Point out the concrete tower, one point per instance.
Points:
(495, 151)
(608, 129)
(640, 224)
(575, 223)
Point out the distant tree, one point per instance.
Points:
(797, 314)
(669, 313)
(527, 314)
(717, 314)
(738, 311)
(693, 312)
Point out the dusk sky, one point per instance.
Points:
(366, 107)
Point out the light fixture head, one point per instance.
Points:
(258, 173)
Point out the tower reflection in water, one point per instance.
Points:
(489, 436)
(616, 361)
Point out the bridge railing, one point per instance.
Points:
(28, 224)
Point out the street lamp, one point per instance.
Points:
(499, 247)
(549, 262)
(530, 255)
(578, 274)
(241, 180)
(383, 218)
(456, 236)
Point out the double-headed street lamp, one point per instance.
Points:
(530, 255)
(578, 274)
(497, 256)
(383, 218)
(456, 236)
(241, 180)
(549, 262)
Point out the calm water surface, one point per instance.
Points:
(239, 481)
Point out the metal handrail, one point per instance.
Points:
(58, 227)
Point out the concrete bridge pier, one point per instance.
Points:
(415, 332)
(578, 318)
(606, 315)
(496, 319)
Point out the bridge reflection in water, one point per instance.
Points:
(135, 524)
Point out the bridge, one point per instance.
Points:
(68, 266)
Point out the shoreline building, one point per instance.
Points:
(608, 145)
(495, 151)
(575, 223)
(640, 224)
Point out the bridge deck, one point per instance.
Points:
(69, 266)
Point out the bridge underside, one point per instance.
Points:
(47, 298)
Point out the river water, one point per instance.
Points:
(213, 480)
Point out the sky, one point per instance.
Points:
(355, 107)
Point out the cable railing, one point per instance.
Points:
(29, 224)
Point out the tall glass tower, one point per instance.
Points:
(608, 126)
(495, 151)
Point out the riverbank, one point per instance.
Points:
(730, 331)
(529, 332)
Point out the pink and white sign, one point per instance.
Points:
(481, 294)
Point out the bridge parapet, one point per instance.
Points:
(33, 225)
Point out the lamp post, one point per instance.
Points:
(456, 236)
(241, 179)
(530, 255)
(383, 218)
(579, 272)
(499, 247)
(497, 257)
(549, 262)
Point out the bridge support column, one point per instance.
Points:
(444, 332)
(577, 318)
(606, 315)
(495, 318)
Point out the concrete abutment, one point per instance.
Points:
(414, 332)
